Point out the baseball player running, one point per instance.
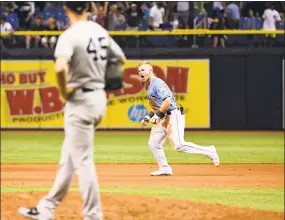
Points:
(81, 52)
(168, 120)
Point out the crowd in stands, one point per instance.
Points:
(143, 16)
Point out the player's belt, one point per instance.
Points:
(181, 109)
(87, 90)
(168, 112)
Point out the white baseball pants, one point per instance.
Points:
(82, 114)
(173, 128)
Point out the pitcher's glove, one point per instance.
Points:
(114, 75)
(159, 115)
(147, 118)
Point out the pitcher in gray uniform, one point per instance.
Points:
(82, 53)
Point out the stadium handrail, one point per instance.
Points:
(148, 33)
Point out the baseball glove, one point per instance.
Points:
(114, 75)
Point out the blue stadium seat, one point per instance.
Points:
(13, 19)
(141, 27)
(47, 15)
(62, 19)
(41, 14)
(59, 10)
(258, 23)
(280, 26)
(49, 10)
(199, 18)
(121, 27)
(244, 23)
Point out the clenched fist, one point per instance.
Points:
(145, 120)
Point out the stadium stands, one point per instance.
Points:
(159, 41)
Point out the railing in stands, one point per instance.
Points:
(198, 21)
(153, 33)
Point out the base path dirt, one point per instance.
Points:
(127, 207)
(137, 175)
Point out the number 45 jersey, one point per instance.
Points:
(87, 46)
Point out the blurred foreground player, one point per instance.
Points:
(82, 52)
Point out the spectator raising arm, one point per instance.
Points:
(94, 9)
(127, 5)
(106, 4)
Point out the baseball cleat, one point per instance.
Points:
(32, 213)
(162, 172)
(214, 156)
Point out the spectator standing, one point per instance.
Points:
(101, 14)
(37, 26)
(50, 41)
(218, 4)
(111, 17)
(157, 13)
(49, 8)
(122, 6)
(232, 16)
(217, 23)
(251, 26)
(257, 15)
(6, 27)
(145, 8)
(133, 19)
(119, 18)
(6, 10)
(184, 12)
(25, 14)
(270, 17)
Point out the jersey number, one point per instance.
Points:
(91, 48)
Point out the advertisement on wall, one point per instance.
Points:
(30, 97)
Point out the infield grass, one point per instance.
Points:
(258, 198)
(131, 147)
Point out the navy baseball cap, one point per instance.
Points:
(77, 7)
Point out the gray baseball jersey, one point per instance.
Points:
(87, 47)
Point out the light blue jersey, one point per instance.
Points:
(157, 92)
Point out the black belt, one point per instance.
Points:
(87, 90)
(181, 109)
(168, 112)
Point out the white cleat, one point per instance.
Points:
(162, 172)
(214, 156)
(29, 212)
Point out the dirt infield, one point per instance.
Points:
(117, 206)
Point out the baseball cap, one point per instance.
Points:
(38, 16)
(77, 7)
(217, 8)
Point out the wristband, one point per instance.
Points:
(151, 114)
(160, 114)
